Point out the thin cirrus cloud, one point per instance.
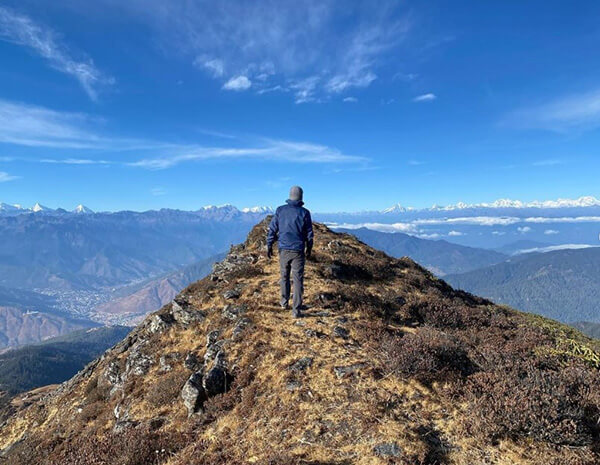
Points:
(23, 31)
(34, 126)
(268, 149)
(312, 49)
(576, 112)
(5, 177)
(429, 97)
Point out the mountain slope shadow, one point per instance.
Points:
(393, 367)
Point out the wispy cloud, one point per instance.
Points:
(524, 229)
(273, 43)
(550, 232)
(5, 177)
(429, 97)
(350, 100)
(238, 83)
(548, 162)
(22, 124)
(22, 30)
(34, 126)
(573, 112)
(75, 161)
(268, 149)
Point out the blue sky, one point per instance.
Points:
(145, 104)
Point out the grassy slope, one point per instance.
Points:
(439, 377)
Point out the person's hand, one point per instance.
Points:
(269, 251)
(308, 251)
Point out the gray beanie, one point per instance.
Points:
(296, 193)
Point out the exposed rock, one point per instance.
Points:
(232, 294)
(215, 381)
(293, 385)
(159, 323)
(111, 377)
(165, 361)
(233, 311)
(213, 349)
(138, 363)
(193, 393)
(212, 337)
(312, 333)
(185, 314)
(343, 371)
(121, 426)
(341, 332)
(328, 300)
(387, 449)
(192, 362)
(241, 325)
(301, 364)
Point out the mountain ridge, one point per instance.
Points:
(391, 365)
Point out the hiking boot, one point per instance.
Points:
(285, 306)
(297, 314)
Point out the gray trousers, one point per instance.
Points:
(292, 260)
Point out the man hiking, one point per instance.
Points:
(291, 225)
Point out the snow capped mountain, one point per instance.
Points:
(257, 209)
(581, 202)
(37, 208)
(224, 207)
(398, 208)
(6, 208)
(82, 209)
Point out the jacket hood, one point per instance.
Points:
(295, 203)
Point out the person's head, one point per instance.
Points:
(296, 193)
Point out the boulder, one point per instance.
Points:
(193, 393)
(166, 360)
(232, 294)
(233, 312)
(159, 323)
(192, 362)
(387, 449)
(212, 337)
(341, 332)
(186, 314)
(301, 364)
(215, 381)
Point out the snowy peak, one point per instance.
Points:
(398, 208)
(581, 202)
(4, 207)
(37, 208)
(257, 209)
(82, 209)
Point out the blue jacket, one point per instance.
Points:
(291, 225)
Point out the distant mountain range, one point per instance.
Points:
(564, 284)
(102, 250)
(440, 257)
